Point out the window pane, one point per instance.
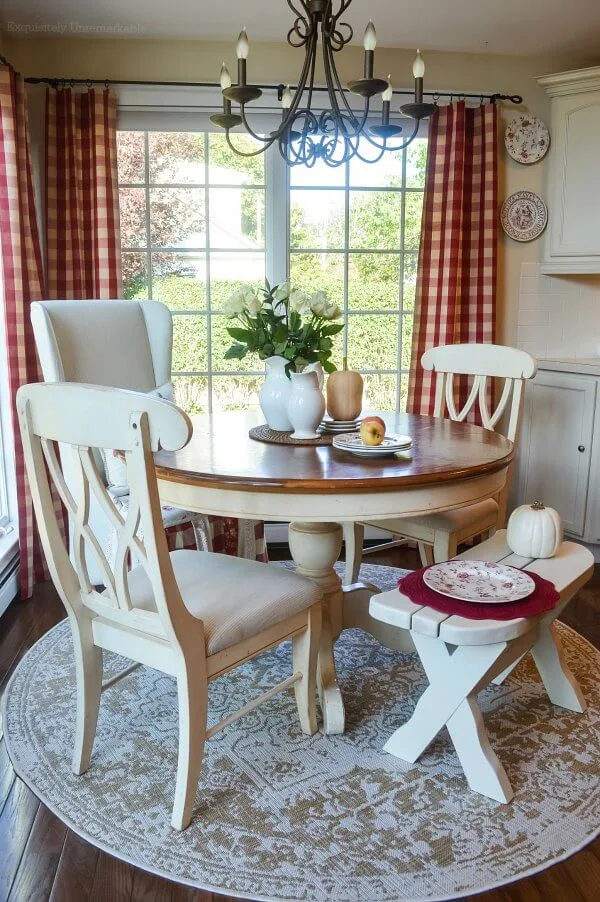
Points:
(221, 340)
(403, 391)
(131, 156)
(319, 272)
(178, 280)
(135, 277)
(380, 392)
(386, 173)
(317, 219)
(191, 393)
(228, 272)
(227, 168)
(375, 218)
(132, 203)
(177, 217)
(407, 333)
(237, 217)
(373, 281)
(190, 342)
(373, 342)
(319, 175)
(416, 158)
(412, 226)
(236, 392)
(410, 281)
(176, 158)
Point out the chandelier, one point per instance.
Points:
(340, 132)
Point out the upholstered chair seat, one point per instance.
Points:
(235, 599)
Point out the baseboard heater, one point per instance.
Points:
(9, 582)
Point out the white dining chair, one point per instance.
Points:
(121, 344)
(438, 535)
(191, 614)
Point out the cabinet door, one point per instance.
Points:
(572, 242)
(556, 443)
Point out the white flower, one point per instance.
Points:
(332, 311)
(281, 292)
(299, 302)
(253, 303)
(235, 303)
(319, 303)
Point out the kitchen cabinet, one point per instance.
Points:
(559, 447)
(572, 239)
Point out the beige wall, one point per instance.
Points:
(181, 60)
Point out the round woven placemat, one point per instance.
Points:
(264, 433)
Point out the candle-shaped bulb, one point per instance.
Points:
(387, 94)
(286, 98)
(242, 48)
(418, 66)
(224, 77)
(370, 38)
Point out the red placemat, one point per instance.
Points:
(544, 598)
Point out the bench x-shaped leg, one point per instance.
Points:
(561, 685)
(451, 700)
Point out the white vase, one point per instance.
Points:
(318, 369)
(306, 404)
(274, 394)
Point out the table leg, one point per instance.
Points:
(315, 548)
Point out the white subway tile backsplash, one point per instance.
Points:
(533, 316)
(529, 284)
(557, 316)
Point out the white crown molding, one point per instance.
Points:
(574, 82)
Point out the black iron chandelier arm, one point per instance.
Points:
(304, 24)
(333, 78)
(382, 148)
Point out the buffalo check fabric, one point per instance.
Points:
(456, 276)
(83, 249)
(22, 283)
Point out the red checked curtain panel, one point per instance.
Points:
(83, 243)
(456, 276)
(22, 283)
(83, 252)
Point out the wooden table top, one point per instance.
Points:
(221, 454)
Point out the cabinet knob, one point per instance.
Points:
(581, 448)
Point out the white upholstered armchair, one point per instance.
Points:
(119, 344)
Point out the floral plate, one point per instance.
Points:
(355, 445)
(479, 581)
(527, 139)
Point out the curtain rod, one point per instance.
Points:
(88, 82)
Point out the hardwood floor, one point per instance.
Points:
(41, 859)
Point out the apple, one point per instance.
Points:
(372, 430)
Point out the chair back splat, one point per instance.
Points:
(483, 362)
(86, 418)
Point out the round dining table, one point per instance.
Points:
(317, 489)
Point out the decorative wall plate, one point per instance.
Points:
(524, 216)
(479, 581)
(527, 139)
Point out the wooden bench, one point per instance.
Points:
(461, 656)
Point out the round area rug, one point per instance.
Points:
(284, 816)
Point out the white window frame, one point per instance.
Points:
(142, 108)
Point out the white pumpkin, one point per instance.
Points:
(534, 530)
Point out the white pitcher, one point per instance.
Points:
(274, 394)
(306, 404)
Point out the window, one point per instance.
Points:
(354, 231)
(194, 216)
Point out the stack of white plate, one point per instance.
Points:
(355, 445)
(338, 427)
